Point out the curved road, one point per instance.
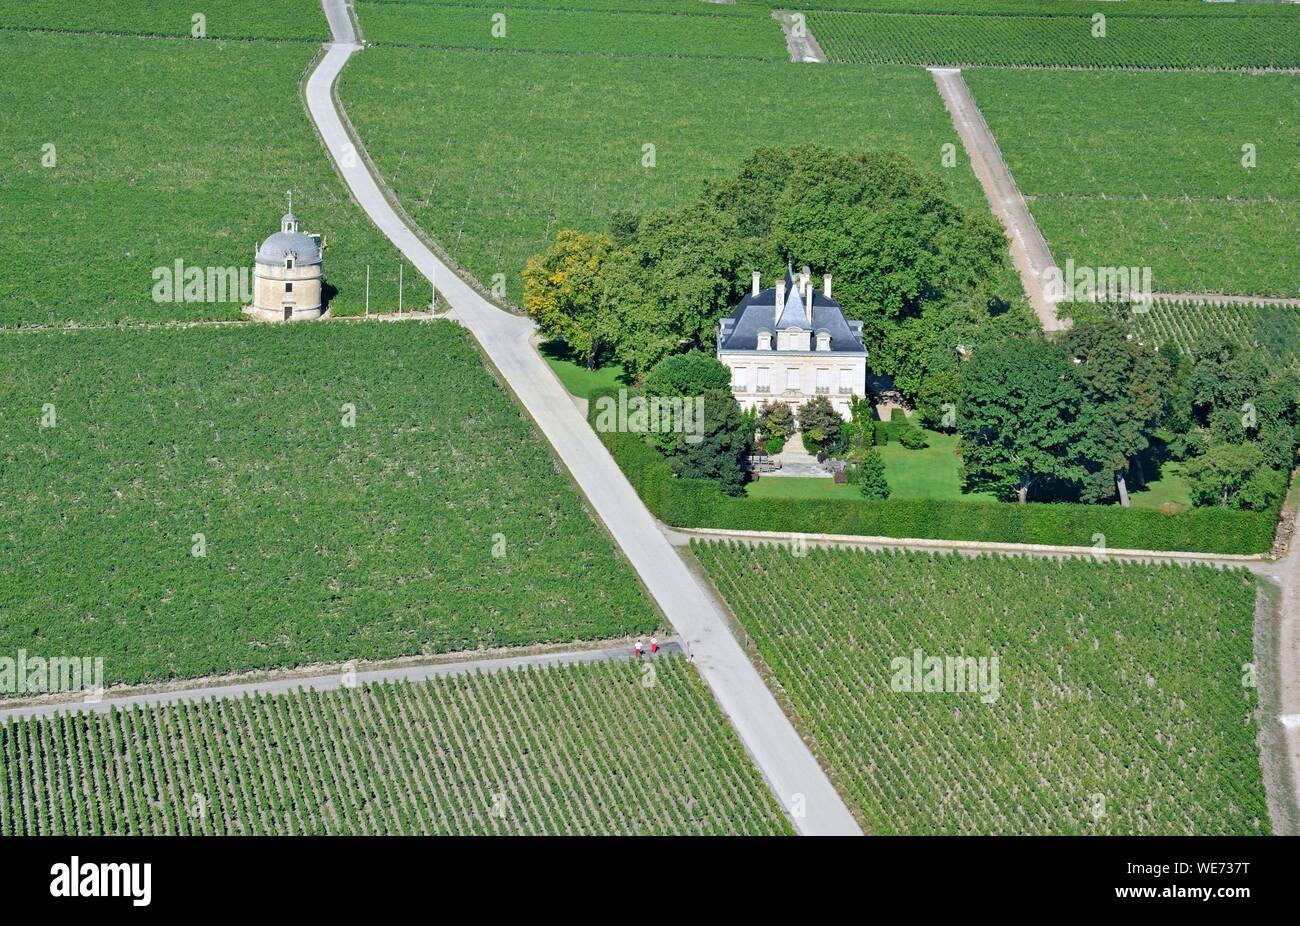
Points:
(781, 755)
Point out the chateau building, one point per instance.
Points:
(791, 342)
(287, 274)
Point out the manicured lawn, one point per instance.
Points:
(932, 472)
(1170, 489)
(800, 487)
(574, 375)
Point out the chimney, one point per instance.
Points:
(780, 299)
(755, 291)
(826, 284)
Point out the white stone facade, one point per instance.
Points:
(288, 275)
(790, 343)
(794, 377)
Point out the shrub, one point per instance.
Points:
(871, 475)
(912, 438)
(775, 419)
(774, 445)
(820, 424)
(700, 503)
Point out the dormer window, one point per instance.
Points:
(765, 340)
(823, 340)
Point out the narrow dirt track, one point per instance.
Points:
(1029, 250)
(338, 677)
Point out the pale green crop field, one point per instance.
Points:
(1194, 175)
(1116, 704)
(120, 155)
(493, 153)
(200, 503)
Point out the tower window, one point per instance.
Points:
(288, 263)
(288, 287)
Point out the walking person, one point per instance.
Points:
(654, 644)
(638, 648)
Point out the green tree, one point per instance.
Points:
(717, 451)
(819, 423)
(1234, 476)
(687, 374)
(1019, 419)
(684, 377)
(564, 290)
(1126, 390)
(676, 278)
(871, 475)
(775, 419)
(860, 431)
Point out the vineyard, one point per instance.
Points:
(673, 33)
(186, 502)
(444, 129)
(1119, 706)
(301, 20)
(1209, 199)
(1048, 41)
(1272, 329)
(99, 194)
(574, 750)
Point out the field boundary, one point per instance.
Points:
(1029, 249)
(803, 49)
(338, 675)
(1256, 562)
(1224, 299)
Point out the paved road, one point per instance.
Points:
(779, 753)
(336, 679)
(1288, 657)
(1029, 250)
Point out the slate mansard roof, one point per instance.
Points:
(739, 330)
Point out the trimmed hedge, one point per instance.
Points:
(699, 503)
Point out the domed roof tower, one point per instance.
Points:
(288, 273)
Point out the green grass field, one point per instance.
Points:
(163, 150)
(221, 19)
(674, 32)
(1118, 707)
(322, 541)
(935, 472)
(448, 129)
(931, 472)
(1171, 489)
(574, 375)
(1110, 186)
(1156, 41)
(573, 750)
